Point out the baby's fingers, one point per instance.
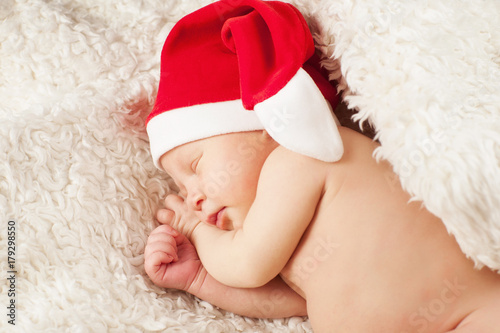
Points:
(165, 216)
(155, 260)
(162, 239)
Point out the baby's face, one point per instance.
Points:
(218, 176)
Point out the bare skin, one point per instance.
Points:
(341, 235)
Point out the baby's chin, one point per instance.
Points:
(226, 224)
(227, 227)
(230, 221)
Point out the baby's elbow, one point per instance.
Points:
(249, 276)
(258, 272)
(255, 279)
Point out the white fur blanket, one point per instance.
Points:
(426, 75)
(78, 78)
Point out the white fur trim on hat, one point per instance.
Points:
(176, 127)
(300, 119)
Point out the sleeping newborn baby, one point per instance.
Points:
(339, 235)
(280, 211)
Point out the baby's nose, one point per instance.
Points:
(195, 200)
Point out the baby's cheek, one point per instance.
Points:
(246, 195)
(250, 181)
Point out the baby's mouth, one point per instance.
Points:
(217, 219)
(221, 219)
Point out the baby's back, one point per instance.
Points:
(370, 261)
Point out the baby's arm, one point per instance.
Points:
(273, 300)
(289, 189)
(171, 262)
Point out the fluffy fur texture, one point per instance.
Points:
(426, 75)
(78, 78)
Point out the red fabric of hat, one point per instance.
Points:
(231, 57)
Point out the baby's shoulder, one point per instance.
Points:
(289, 179)
(293, 169)
(283, 158)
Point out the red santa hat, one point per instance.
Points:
(244, 65)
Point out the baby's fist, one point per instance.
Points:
(170, 260)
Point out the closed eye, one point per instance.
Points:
(194, 165)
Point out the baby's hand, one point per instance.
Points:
(178, 215)
(170, 260)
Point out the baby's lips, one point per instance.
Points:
(211, 219)
(217, 219)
